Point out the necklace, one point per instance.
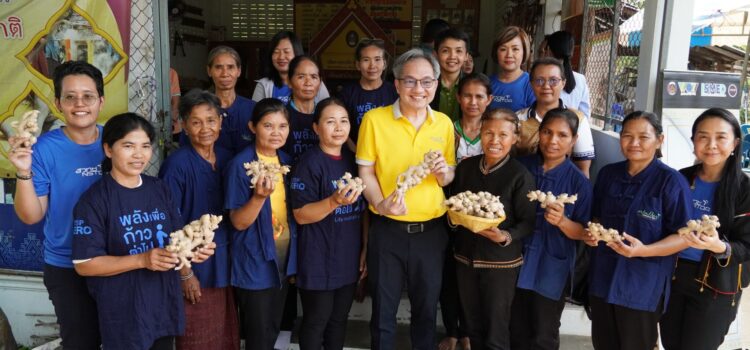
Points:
(483, 167)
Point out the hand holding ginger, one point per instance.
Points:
(259, 169)
(26, 128)
(599, 233)
(194, 236)
(548, 198)
(415, 174)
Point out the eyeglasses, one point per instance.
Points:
(72, 100)
(410, 83)
(539, 82)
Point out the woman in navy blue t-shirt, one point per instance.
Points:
(330, 241)
(647, 202)
(121, 226)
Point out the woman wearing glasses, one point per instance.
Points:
(407, 240)
(547, 80)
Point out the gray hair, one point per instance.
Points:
(221, 50)
(415, 54)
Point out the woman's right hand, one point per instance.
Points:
(191, 289)
(264, 187)
(159, 259)
(19, 156)
(394, 204)
(589, 239)
(346, 195)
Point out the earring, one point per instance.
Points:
(732, 154)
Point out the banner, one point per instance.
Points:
(36, 37)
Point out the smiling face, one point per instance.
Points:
(130, 155)
(282, 55)
(203, 125)
(333, 127)
(714, 141)
(510, 55)
(305, 81)
(371, 63)
(474, 99)
(79, 102)
(224, 72)
(638, 140)
(546, 94)
(270, 132)
(556, 139)
(498, 137)
(417, 97)
(451, 55)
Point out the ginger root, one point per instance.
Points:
(258, 168)
(548, 198)
(27, 128)
(345, 180)
(194, 235)
(481, 204)
(415, 174)
(707, 226)
(604, 234)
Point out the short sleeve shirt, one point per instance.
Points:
(515, 95)
(359, 101)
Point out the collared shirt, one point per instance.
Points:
(649, 206)
(529, 140)
(389, 142)
(549, 255)
(449, 101)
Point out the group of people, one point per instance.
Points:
(106, 223)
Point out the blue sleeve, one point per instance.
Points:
(237, 189)
(41, 173)
(530, 97)
(599, 193)
(173, 179)
(582, 208)
(89, 228)
(172, 208)
(305, 185)
(677, 202)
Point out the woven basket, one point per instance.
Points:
(472, 223)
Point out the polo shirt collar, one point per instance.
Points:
(397, 111)
(532, 110)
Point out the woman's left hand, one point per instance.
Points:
(362, 264)
(203, 253)
(704, 242)
(633, 248)
(191, 289)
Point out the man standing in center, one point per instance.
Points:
(407, 236)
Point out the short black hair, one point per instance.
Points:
(118, 127)
(325, 103)
(197, 97)
(77, 68)
(452, 33)
(267, 106)
(432, 28)
(479, 78)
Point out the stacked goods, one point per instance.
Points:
(414, 175)
(475, 211)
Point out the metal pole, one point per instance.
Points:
(608, 125)
(584, 37)
(743, 77)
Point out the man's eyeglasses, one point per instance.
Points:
(410, 83)
(72, 100)
(552, 82)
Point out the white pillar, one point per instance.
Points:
(552, 16)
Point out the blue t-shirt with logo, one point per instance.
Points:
(358, 101)
(515, 95)
(327, 250)
(301, 135)
(282, 93)
(197, 188)
(139, 306)
(703, 201)
(63, 170)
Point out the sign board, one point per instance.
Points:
(685, 95)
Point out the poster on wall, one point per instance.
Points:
(36, 37)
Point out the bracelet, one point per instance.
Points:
(25, 177)
(187, 277)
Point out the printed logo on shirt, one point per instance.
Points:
(139, 238)
(364, 108)
(502, 99)
(650, 215)
(297, 184)
(438, 139)
(91, 171)
(702, 205)
(80, 228)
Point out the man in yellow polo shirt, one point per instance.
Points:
(408, 235)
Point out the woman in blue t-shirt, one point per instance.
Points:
(371, 90)
(283, 47)
(511, 87)
(709, 277)
(121, 226)
(647, 202)
(305, 81)
(330, 237)
(193, 173)
(264, 253)
(549, 253)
